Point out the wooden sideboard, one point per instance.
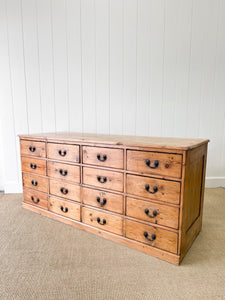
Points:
(142, 192)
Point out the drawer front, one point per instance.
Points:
(36, 182)
(104, 179)
(155, 237)
(164, 190)
(35, 198)
(103, 200)
(102, 220)
(32, 148)
(63, 152)
(153, 213)
(154, 163)
(64, 171)
(65, 208)
(65, 190)
(104, 157)
(33, 165)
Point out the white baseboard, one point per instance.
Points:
(14, 187)
(213, 182)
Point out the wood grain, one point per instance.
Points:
(114, 180)
(33, 165)
(113, 223)
(112, 201)
(63, 152)
(165, 240)
(168, 191)
(113, 157)
(120, 140)
(65, 190)
(168, 164)
(36, 182)
(65, 208)
(165, 215)
(64, 171)
(164, 255)
(193, 197)
(121, 207)
(35, 198)
(38, 148)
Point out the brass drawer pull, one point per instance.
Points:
(33, 166)
(154, 213)
(34, 183)
(102, 179)
(62, 153)
(64, 209)
(152, 238)
(64, 191)
(103, 221)
(104, 157)
(35, 201)
(155, 165)
(63, 172)
(103, 201)
(32, 149)
(147, 187)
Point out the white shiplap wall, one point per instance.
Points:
(140, 67)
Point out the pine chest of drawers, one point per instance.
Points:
(145, 193)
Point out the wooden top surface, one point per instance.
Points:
(139, 141)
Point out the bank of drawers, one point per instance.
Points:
(99, 187)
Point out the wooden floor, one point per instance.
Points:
(45, 259)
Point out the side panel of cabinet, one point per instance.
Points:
(193, 196)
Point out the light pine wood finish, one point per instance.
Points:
(102, 220)
(193, 197)
(39, 183)
(114, 204)
(153, 212)
(63, 152)
(32, 148)
(33, 165)
(165, 240)
(104, 157)
(154, 163)
(167, 191)
(64, 171)
(165, 255)
(159, 143)
(35, 198)
(107, 179)
(65, 208)
(103, 200)
(65, 190)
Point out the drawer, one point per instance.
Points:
(153, 236)
(164, 190)
(103, 200)
(105, 157)
(63, 152)
(65, 190)
(153, 213)
(35, 198)
(33, 165)
(64, 171)
(32, 148)
(65, 208)
(102, 220)
(103, 178)
(154, 163)
(36, 182)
